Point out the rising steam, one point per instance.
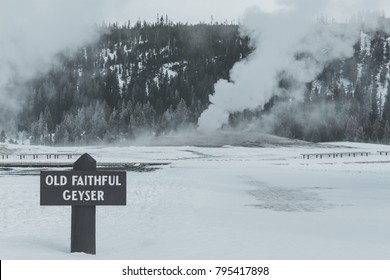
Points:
(293, 45)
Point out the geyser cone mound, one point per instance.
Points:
(219, 138)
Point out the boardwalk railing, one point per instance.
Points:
(38, 155)
(335, 155)
(383, 152)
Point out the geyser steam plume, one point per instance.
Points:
(290, 45)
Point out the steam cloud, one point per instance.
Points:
(290, 45)
(31, 34)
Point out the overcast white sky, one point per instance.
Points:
(182, 10)
(202, 10)
(191, 11)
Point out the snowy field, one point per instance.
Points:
(213, 203)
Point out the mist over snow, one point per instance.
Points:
(31, 34)
(292, 45)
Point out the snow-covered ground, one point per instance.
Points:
(214, 203)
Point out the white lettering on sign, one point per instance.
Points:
(95, 180)
(90, 195)
(56, 180)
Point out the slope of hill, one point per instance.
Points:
(156, 78)
(148, 77)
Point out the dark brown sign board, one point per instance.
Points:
(83, 188)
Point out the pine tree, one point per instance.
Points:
(34, 133)
(150, 115)
(46, 136)
(386, 133)
(112, 90)
(383, 75)
(138, 119)
(377, 132)
(378, 50)
(351, 130)
(166, 121)
(386, 106)
(48, 118)
(180, 117)
(374, 104)
(350, 69)
(59, 135)
(360, 134)
(99, 122)
(3, 136)
(68, 129)
(387, 52)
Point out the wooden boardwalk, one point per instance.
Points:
(29, 160)
(342, 154)
(126, 166)
(41, 155)
(383, 153)
(335, 155)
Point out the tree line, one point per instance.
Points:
(348, 101)
(156, 78)
(147, 78)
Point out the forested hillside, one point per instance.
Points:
(157, 77)
(349, 100)
(147, 78)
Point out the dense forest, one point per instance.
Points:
(349, 100)
(147, 78)
(156, 78)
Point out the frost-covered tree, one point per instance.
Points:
(386, 133)
(3, 136)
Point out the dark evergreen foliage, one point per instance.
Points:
(349, 100)
(157, 77)
(150, 77)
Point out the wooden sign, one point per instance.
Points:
(83, 188)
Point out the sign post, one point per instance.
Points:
(83, 228)
(83, 189)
